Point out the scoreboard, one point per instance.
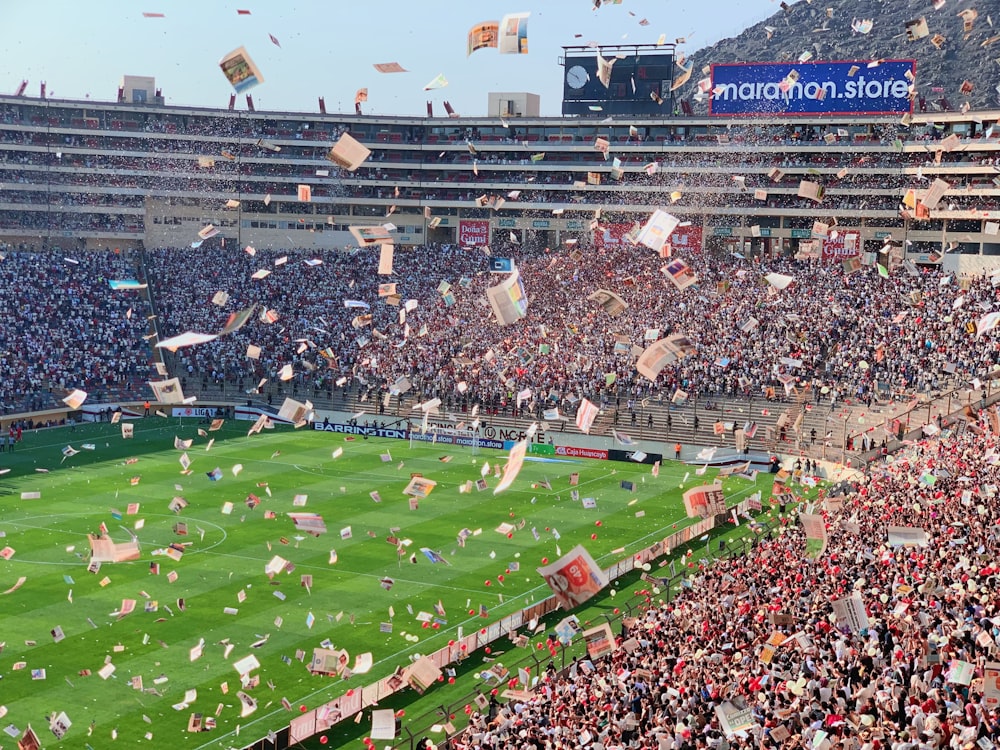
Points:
(638, 84)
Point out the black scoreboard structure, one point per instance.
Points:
(640, 80)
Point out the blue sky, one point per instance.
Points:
(328, 47)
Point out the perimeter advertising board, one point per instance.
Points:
(196, 411)
(812, 88)
(464, 440)
(354, 429)
(573, 452)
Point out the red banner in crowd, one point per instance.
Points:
(686, 238)
(844, 245)
(474, 232)
(610, 235)
(681, 239)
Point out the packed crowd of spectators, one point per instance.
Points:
(857, 335)
(856, 319)
(697, 168)
(760, 632)
(242, 160)
(65, 329)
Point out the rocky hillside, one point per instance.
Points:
(962, 44)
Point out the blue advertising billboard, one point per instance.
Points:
(501, 265)
(812, 88)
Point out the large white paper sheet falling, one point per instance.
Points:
(613, 304)
(294, 411)
(987, 323)
(574, 578)
(383, 724)
(514, 34)
(662, 353)
(481, 36)
(385, 256)
(348, 153)
(778, 280)
(167, 391)
(240, 70)
(514, 462)
(508, 299)
(370, 235)
(657, 230)
(586, 413)
(189, 338)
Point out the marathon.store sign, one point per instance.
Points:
(468, 441)
(860, 87)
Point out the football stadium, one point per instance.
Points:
(667, 423)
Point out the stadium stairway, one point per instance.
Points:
(821, 434)
(690, 424)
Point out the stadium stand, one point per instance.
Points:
(763, 637)
(841, 345)
(65, 329)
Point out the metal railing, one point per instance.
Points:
(459, 709)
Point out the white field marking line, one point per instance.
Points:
(314, 473)
(554, 492)
(41, 528)
(659, 531)
(346, 571)
(225, 535)
(112, 433)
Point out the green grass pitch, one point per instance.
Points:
(223, 567)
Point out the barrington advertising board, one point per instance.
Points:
(812, 88)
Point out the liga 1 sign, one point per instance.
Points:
(860, 87)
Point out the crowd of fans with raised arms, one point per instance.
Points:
(912, 674)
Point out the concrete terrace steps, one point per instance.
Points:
(839, 419)
(682, 422)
